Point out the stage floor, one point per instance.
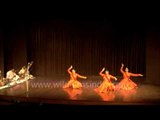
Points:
(50, 91)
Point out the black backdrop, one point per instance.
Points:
(86, 43)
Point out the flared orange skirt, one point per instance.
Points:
(73, 83)
(126, 84)
(105, 87)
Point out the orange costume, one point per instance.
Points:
(106, 85)
(126, 83)
(73, 82)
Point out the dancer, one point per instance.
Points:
(73, 82)
(106, 85)
(126, 83)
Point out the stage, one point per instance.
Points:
(49, 91)
(54, 43)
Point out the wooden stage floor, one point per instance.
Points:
(50, 91)
(46, 96)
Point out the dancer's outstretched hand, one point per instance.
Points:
(103, 69)
(141, 75)
(71, 67)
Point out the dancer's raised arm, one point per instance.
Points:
(101, 72)
(121, 69)
(70, 69)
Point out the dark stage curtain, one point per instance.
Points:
(88, 46)
(1, 52)
(14, 46)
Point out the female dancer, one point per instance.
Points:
(126, 83)
(73, 82)
(106, 85)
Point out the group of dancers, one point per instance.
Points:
(125, 84)
(107, 85)
(13, 77)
